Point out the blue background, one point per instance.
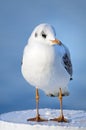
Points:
(17, 20)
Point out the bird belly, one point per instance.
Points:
(41, 69)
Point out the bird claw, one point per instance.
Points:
(60, 119)
(37, 119)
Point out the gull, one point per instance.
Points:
(46, 65)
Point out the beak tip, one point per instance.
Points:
(56, 41)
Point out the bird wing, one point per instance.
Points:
(67, 62)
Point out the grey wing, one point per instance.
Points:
(67, 62)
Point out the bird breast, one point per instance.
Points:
(39, 62)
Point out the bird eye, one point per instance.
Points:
(44, 35)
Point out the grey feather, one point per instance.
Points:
(68, 64)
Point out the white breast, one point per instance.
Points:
(42, 68)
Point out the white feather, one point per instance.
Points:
(42, 64)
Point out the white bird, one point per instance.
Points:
(46, 65)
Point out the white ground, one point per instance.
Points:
(18, 120)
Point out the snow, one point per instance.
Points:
(17, 120)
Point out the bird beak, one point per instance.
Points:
(56, 41)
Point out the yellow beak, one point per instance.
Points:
(56, 41)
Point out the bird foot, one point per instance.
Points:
(37, 119)
(60, 119)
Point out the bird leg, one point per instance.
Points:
(61, 117)
(37, 118)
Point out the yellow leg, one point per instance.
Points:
(61, 118)
(37, 118)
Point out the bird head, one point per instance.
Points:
(45, 34)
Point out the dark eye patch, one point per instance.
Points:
(43, 34)
(36, 34)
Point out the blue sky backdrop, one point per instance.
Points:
(17, 20)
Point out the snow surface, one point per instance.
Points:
(17, 120)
